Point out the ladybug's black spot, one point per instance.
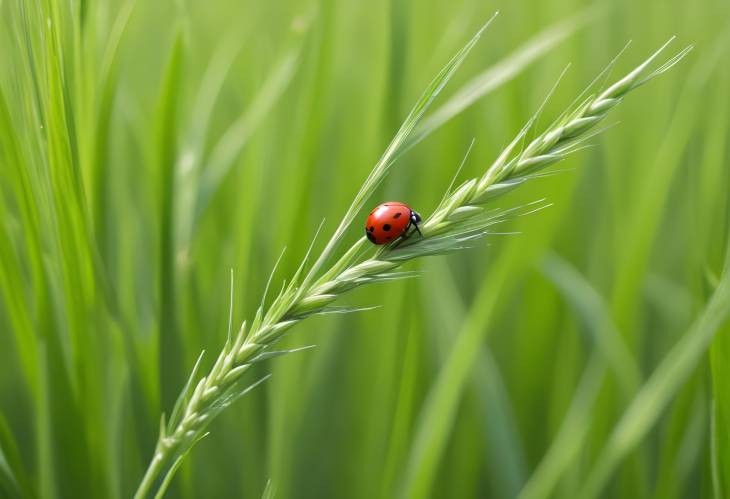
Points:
(389, 238)
(397, 215)
(372, 228)
(370, 236)
(386, 227)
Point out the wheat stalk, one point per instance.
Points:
(459, 218)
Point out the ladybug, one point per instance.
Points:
(389, 221)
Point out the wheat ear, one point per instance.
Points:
(459, 218)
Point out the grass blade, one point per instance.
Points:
(664, 382)
(500, 73)
(588, 303)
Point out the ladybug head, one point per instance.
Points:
(415, 217)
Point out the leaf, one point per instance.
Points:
(662, 385)
(165, 484)
(13, 477)
(269, 491)
(583, 297)
(500, 73)
(234, 139)
(570, 439)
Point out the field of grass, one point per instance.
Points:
(157, 157)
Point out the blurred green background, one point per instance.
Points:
(147, 148)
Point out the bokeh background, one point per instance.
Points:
(147, 148)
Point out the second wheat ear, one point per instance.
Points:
(459, 218)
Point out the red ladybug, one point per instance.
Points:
(389, 221)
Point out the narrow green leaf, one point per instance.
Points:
(661, 386)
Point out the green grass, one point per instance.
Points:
(141, 160)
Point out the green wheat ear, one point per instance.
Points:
(459, 219)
